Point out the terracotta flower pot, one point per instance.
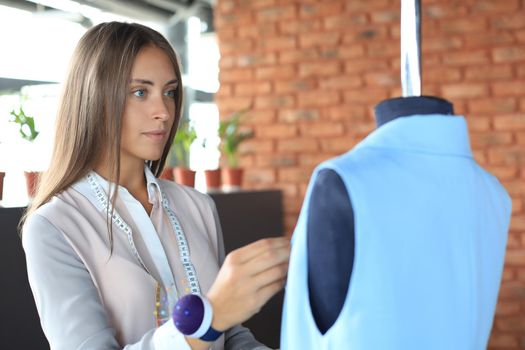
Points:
(31, 182)
(184, 176)
(213, 179)
(232, 178)
(2, 175)
(167, 174)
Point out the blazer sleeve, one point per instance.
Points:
(237, 337)
(71, 312)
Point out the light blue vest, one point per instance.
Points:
(430, 235)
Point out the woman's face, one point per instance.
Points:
(150, 106)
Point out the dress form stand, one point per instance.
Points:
(330, 223)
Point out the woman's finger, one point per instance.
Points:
(250, 251)
(267, 260)
(269, 276)
(264, 294)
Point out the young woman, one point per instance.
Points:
(111, 249)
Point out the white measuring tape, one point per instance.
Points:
(153, 243)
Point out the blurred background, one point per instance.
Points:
(37, 39)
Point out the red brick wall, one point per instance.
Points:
(313, 71)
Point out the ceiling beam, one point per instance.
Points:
(8, 85)
(169, 12)
(184, 13)
(172, 6)
(19, 5)
(127, 9)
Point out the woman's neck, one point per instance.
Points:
(131, 177)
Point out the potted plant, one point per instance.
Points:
(167, 172)
(212, 176)
(180, 148)
(231, 137)
(2, 175)
(27, 132)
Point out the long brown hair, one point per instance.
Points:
(91, 106)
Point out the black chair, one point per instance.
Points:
(20, 328)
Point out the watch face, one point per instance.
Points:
(188, 314)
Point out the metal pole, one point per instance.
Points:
(411, 47)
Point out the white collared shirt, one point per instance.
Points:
(147, 230)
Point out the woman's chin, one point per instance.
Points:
(152, 157)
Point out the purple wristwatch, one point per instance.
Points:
(192, 316)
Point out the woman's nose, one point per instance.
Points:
(160, 109)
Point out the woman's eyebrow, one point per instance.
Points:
(149, 82)
(142, 81)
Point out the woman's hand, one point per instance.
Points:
(249, 277)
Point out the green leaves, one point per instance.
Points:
(27, 124)
(184, 137)
(230, 133)
(232, 136)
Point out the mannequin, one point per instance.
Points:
(331, 227)
(393, 238)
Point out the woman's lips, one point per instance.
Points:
(155, 135)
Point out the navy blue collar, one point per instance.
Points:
(394, 108)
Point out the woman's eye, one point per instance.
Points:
(170, 93)
(139, 93)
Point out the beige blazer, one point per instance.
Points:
(89, 297)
